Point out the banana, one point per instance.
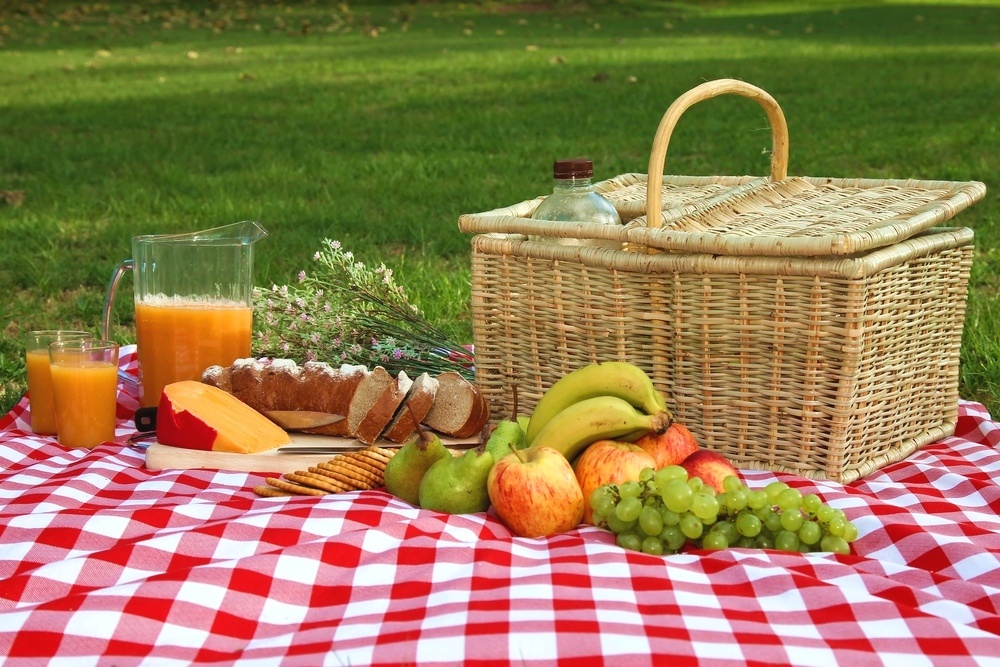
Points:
(597, 418)
(611, 378)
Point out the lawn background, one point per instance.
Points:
(379, 124)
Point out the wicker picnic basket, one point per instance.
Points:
(809, 325)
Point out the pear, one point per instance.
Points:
(406, 469)
(457, 485)
(508, 435)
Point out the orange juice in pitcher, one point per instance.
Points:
(193, 303)
(178, 339)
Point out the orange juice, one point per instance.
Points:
(86, 396)
(178, 340)
(43, 407)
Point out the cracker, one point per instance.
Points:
(342, 477)
(294, 488)
(336, 467)
(317, 481)
(270, 492)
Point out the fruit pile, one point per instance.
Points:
(664, 510)
(602, 448)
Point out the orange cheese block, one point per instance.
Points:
(195, 415)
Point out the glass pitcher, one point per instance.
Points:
(193, 302)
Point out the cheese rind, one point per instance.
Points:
(195, 415)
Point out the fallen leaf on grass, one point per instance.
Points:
(12, 197)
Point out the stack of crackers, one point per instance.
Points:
(350, 471)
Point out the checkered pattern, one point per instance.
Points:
(104, 562)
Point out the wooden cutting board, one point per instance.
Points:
(164, 457)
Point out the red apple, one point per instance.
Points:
(670, 447)
(711, 467)
(609, 462)
(536, 495)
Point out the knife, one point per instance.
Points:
(297, 420)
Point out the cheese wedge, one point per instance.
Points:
(195, 415)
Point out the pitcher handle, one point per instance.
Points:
(109, 298)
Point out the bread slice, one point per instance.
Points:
(331, 390)
(459, 410)
(413, 409)
(375, 402)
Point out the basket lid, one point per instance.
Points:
(773, 216)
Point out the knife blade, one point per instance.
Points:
(296, 420)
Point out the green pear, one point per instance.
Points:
(406, 469)
(457, 485)
(522, 421)
(507, 436)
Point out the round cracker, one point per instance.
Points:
(351, 471)
(344, 477)
(285, 485)
(270, 492)
(318, 481)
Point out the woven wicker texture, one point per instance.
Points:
(829, 367)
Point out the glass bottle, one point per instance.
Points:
(574, 199)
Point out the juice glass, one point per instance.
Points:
(85, 387)
(36, 352)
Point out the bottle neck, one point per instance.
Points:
(573, 185)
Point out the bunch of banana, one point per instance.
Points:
(611, 400)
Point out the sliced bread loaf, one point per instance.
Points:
(413, 410)
(459, 410)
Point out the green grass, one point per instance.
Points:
(378, 125)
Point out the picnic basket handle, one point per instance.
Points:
(708, 90)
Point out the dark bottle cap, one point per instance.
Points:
(579, 167)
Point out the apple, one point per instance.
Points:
(609, 462)
(670, 447)
(711, 467)
(535, 493)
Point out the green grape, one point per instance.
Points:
(732, 483)
(811, 503)
(606, 505)
(646, 475)
(677, 496)
(669, 474)
(789, 499)
(599, 519)
(691, 526)
(629, 490)
(670, 517)
(773, 489)
(763, 512)
(601, 494)
(728, 529)
(810, 533)
(836, 526)
(773, 522)
(715, 541)
(763, 542)
(628, 509)
(652, 545)
(850, 532)
(745, 542)
(617, 526)
(704, 506)
(756, 499)
(836, 544)
(786, 540)
(650, 489)
(629, 540)
(672, 538)
(695, 483)
(791, 520)
(650, 521)
(735, 501)
(748, 524)
(825, 513)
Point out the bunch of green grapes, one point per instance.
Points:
(665, 509)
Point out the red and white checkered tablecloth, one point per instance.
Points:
(105, 563)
